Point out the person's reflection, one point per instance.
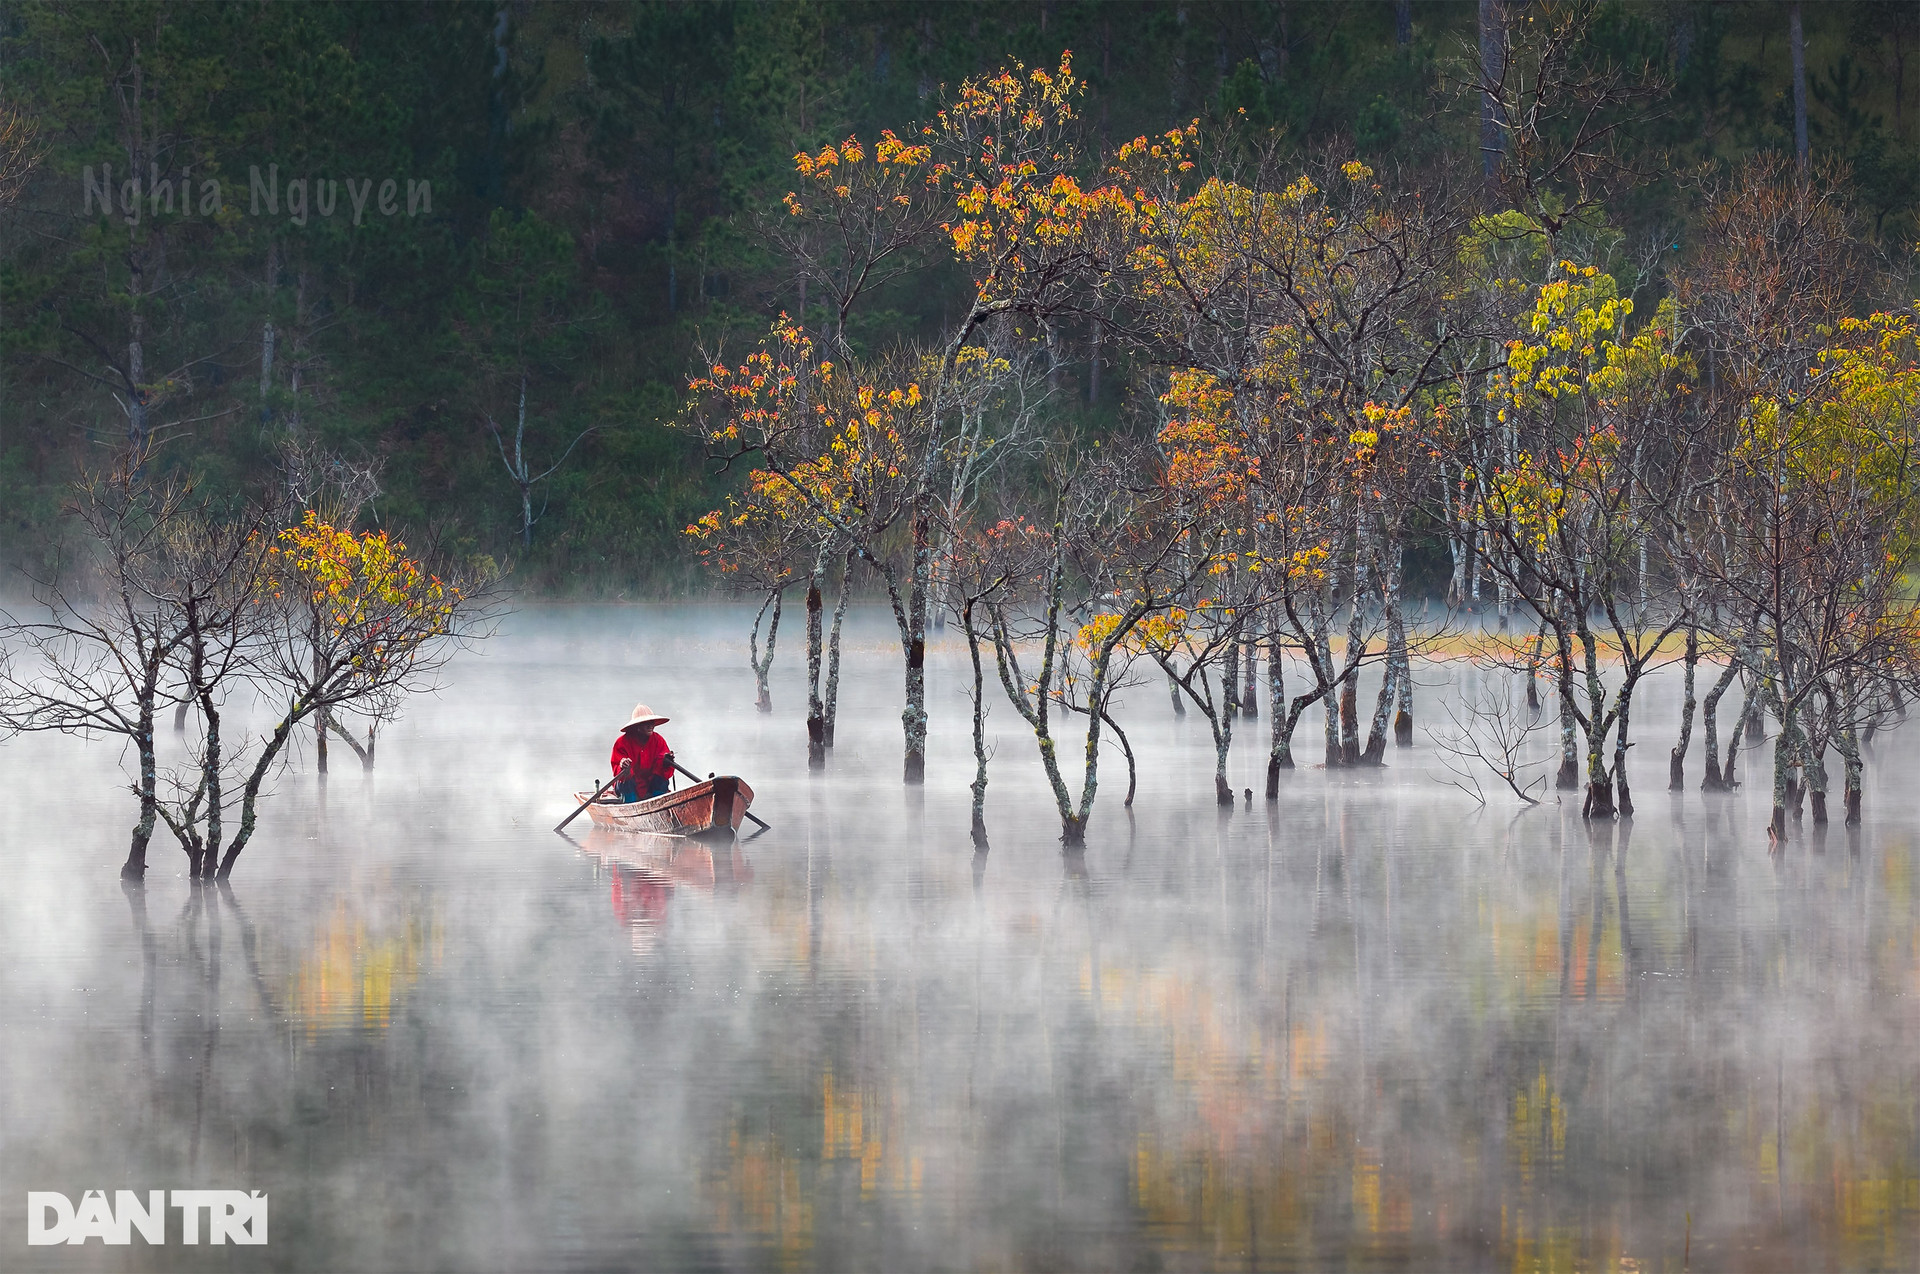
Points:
(640, 903)
(646, 870)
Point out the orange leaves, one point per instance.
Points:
(880, 176)
(1032, 98)
(1018, 209)
(739, 407)
(1207, 463)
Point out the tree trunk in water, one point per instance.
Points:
(913, 718)
(1350, 686)
(1349, 723)
(1533, 668)
(1599, 802)
(1222, 723)
(1179, 700)
(1391, 686)
(763, 665)
(364, 753)
(1783, 757)
(1816, 775)
(1742, 726)
(319, 723)
(1376, 749)
(1230, 682)
(831, 708)
(1709, 718)
(1568, 779)
(1329, 699)
(1850, 756)
(180, 717)
(1280, 753)
(816, 717)
(979, 729)
(1677, 759)
(1398, 661)
(1126, 750)
(1250, 661)
(1623, 794)
(1849, 745)
(210, 774)
(135, 868)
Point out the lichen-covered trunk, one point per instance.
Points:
(979, 826)
(1623, 795)
(320, 722)
(1330, 707)
(913, 716)
(1034, 707)
(1250, 661)
(1222, 722)
(1710, 726)
(211, 762)
(1741, 727)
(1376, 749)
(816, 708)
(1375, 752)
(135, 868)
(1847, 740)
(1568, 778)
(1782, 772)
(1816, 774)
(1230, 683)
(250, 793)
(1849, 744)
(1356, 642)
(1599, 802)
(1533, 668)
(1677, 759)
(763, 665)
(1399, 664)
(1280, 751)
(830, 709)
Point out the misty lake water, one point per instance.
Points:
(1369, 1025)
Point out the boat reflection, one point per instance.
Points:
(645, 869)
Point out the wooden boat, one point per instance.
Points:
(713, 808)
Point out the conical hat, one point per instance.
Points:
(643, 715)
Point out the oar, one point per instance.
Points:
(583, 805)
(764, 825)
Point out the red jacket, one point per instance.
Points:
(649, 757)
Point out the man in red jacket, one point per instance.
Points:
(641, 758)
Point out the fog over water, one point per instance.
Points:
(1369, 1025)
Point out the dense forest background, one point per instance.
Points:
(601, 176)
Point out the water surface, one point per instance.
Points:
(1372, 1025)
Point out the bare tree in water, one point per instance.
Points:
(185, 596)
(101, 659)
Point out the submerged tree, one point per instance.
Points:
(206, 601)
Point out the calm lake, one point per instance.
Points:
(1372, 1025)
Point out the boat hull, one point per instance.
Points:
(714, 808)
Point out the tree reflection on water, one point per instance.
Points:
(1364, 1026)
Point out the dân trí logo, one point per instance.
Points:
(233, 1216)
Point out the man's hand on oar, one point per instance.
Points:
(591, 799)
